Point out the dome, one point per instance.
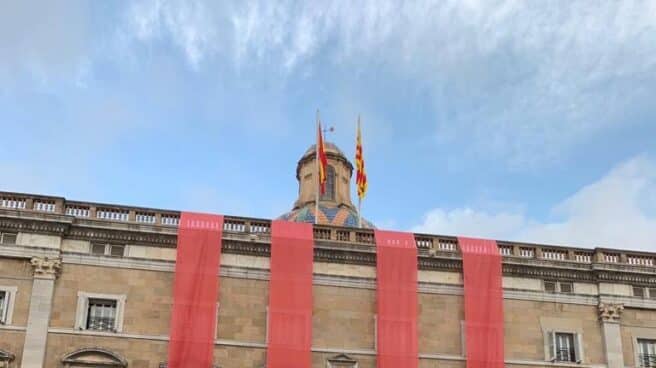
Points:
(328, 215)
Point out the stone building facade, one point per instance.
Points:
(88, 284)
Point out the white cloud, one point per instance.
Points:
(618, 211)
(523, 81)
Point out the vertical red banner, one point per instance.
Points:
(195, 291)
(290, 296)
(396, 270)
(483, 303)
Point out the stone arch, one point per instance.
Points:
(93, 356)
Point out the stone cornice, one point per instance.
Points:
(251, 237)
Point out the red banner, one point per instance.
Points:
(396, 270)
(195, 293)
(483, 303)
(290, 296)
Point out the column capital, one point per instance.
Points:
(46, 268)
(610, 312)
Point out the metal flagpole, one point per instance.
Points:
(357, 185)
(316, 158)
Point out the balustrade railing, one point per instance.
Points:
(434, 244)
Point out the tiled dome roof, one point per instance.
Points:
(337, 216)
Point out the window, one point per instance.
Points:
(115, 250)
(647, 353)
(565, 351)
(7, 296)
(101, 315)
(652, 293)
(329, 195)
(639, 291)
(565, 347)
(3, 305)
(8, 238)
(558, 287)
(99, 312)
(566, 287)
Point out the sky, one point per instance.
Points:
(527, 121)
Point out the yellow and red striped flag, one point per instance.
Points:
(360, 175)
(322, 160)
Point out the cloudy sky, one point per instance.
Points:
(518, 120)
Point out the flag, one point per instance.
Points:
(322, 160)
(360, 175)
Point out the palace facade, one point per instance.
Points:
(87, 284)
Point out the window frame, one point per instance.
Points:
(82, 311)
(550, 345)
(6, 319)
(107, 251)
(4, 234)
(638, 351)
(331, 183)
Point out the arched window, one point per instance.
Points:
(329, 195)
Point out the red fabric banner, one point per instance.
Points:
(290, 295)
(396, 270)
(483, 303)
(195, 290)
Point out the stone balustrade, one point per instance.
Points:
(434, 245)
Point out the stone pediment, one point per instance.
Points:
(96, 357)
(342, 361)
(6, 356)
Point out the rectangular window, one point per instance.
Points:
(639, 291)
(647, 353)
(7, 238)
(7, 298)
(3, 306)
(565, 347)
(98, 249)
(652, 293)
(117, 250)
(101, 315)
(550, 286)
(566, 287)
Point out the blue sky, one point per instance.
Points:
(528, 121)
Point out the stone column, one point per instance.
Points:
(45, 273)
(609, 315)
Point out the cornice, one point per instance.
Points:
(258, 244)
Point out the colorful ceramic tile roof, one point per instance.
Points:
(328, 215)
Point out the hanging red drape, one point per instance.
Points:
(483, 303)
(195, 292)
(290, 296)
(396, 270)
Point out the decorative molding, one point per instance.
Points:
(107, 234)
(46, 268)
(610, 312)
(101, 358)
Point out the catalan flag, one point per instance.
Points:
(361, 175)
(322, 160)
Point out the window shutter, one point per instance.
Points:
(551, 340)
(578, 343)
(83, 310)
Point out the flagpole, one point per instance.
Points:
(316, 158)
(357, 189)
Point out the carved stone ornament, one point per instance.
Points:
(610, 312)
(46, 267)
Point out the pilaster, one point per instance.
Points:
(45, 273)
(609, 316)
